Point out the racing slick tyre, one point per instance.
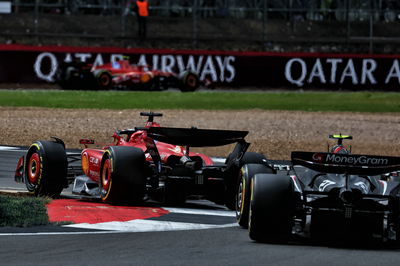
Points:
(46, 168)
(246, 173)
(67, 76)
(253, 157)
(189, 81)
(74, 76)
(123, 175)
(233, 181)
(272, 208)
(103, 79)
(249, 157)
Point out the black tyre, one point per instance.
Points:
(46, 168)
(75, 76)
(123, 175)
(67, 76)
(189, 81)
(233, 176)
(246, 173)
(271, 208)
(249, 157)
(103, 79)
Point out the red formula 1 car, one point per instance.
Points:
(122, 74)
(147, 162)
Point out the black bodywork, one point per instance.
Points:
(190, 177)
(344, 196)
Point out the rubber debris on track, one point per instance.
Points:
(77, 211)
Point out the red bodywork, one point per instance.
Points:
(123, 73)
(141, 163)
(92, 158)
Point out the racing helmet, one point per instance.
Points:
(339, 149)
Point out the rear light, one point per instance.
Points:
(85, 164)
(145, 78)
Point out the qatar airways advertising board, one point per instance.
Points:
(35, 64)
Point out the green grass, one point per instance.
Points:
(306, 101)
(23, 211)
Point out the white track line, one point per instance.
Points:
(202, 212)
(136, 226)
(60, 233)
(147, 226)
(156, 226)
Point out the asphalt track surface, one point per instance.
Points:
(230, 245)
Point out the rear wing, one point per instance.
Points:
(357, 164)
(194, 137)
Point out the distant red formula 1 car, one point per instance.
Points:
(147, 162)
(122, 74)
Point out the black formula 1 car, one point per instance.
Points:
(248, 171)
(323, 195)
(150, 162)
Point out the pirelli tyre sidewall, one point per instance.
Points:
(103, 79)
(123, 175)
(272, 207)
(74, 76)
(65, 76)
(46, 168)
(233, 178)
(246, 173)
(189, 81)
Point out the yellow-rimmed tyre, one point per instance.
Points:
(272, 207)
(46, 168)
(123, 175)
(231, 186)
(243, 192)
